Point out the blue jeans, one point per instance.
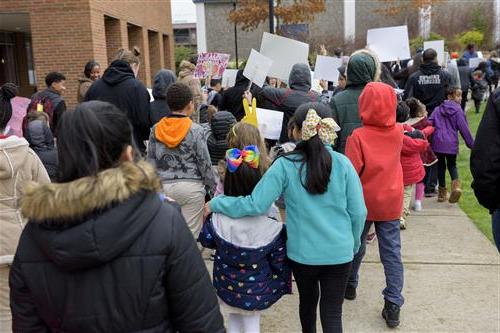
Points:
(496, 227)
(389, 245)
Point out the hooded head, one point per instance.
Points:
(363, 67)
(377, 105)
(164, 79)
(39, 135)
(300, 77)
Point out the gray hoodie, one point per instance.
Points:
(159, 108)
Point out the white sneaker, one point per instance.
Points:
(417, 206)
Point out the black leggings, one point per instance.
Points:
(477, 105)
(332, 281)
(450, 161)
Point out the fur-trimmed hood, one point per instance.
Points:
(66, 202)
(363, 67)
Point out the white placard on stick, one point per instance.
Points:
(438, 46)
(326, 68)
(270, 123)
(257, 68)
(284, 52)
(229, 78)
(390, 44)
(480, 54)
(474, 62)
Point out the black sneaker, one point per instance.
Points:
(350, 293)
(391, 314)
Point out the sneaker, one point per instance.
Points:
(430, 194)
(371, 238)
(417, 206)
(402, 224)
(391, 314)
(350, 293)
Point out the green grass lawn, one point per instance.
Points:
(479, 215)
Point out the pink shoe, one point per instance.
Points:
(371, 238)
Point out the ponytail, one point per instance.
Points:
(314, 156)
(7, 92)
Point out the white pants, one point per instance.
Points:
(191, 197)
(248, 324)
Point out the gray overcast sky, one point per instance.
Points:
(183, 11)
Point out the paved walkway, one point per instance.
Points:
(452, 281)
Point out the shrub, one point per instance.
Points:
(182, 53)
(417, 42)
(471, 37)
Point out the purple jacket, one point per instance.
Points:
(448, 119)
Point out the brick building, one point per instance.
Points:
(37, 37)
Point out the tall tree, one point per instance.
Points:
(395, 7)
(251, 13)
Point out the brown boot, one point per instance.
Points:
(456, 191)
(442, 194)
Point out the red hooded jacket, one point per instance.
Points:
(375, 151)
(411, 160)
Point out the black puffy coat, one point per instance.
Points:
(222, 122)
(159, 107)
(232, 98)
(41, 140)
(119, 87)
(485, 157)
(428, 85)
(105, 254)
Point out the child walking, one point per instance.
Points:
(478, 88)
(375, 152)
(418, 120)
(449, 119)
(250, 270)
(178, 148)
(414, 143)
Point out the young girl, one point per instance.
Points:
(449, 119)
(250, 271)
(325, 214)
(18, 164)
(418, 120)
(414, 143)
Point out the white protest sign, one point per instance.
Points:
(150, 91)
(326, 68)
(474, 62)
(315, 84)
(270, 123)
(257, 68)
(480, 54)
(438, 46)
(229, 78)
(284, 52)
(390, 44)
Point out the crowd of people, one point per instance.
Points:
(109, 208)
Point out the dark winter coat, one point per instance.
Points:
(363, 67)
(222, 122)
(250, 270)
(465, 75)
(479, 87)
(41, 140)
(119, 86)
(58, 107)
(159, 107)
(485, 157)
(232, 98)
(105, 254)
(288, 100)
(428, 85)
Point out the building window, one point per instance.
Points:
(154, 52)
(29, 60)
(8, 66)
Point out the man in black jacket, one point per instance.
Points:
(485, 162)
(429, 83)
(119, 86)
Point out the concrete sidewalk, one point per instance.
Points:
(452, 281)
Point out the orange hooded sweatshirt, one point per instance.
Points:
(375, 152)
(172, 130)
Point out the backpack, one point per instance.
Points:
(40, 103)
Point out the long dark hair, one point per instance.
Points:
(7, 92)
(242, 181)
(313, 154)
(91, 138)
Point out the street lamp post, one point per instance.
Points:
(271, 16)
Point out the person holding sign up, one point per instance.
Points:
(287, 100)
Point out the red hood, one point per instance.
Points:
(377, 105)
